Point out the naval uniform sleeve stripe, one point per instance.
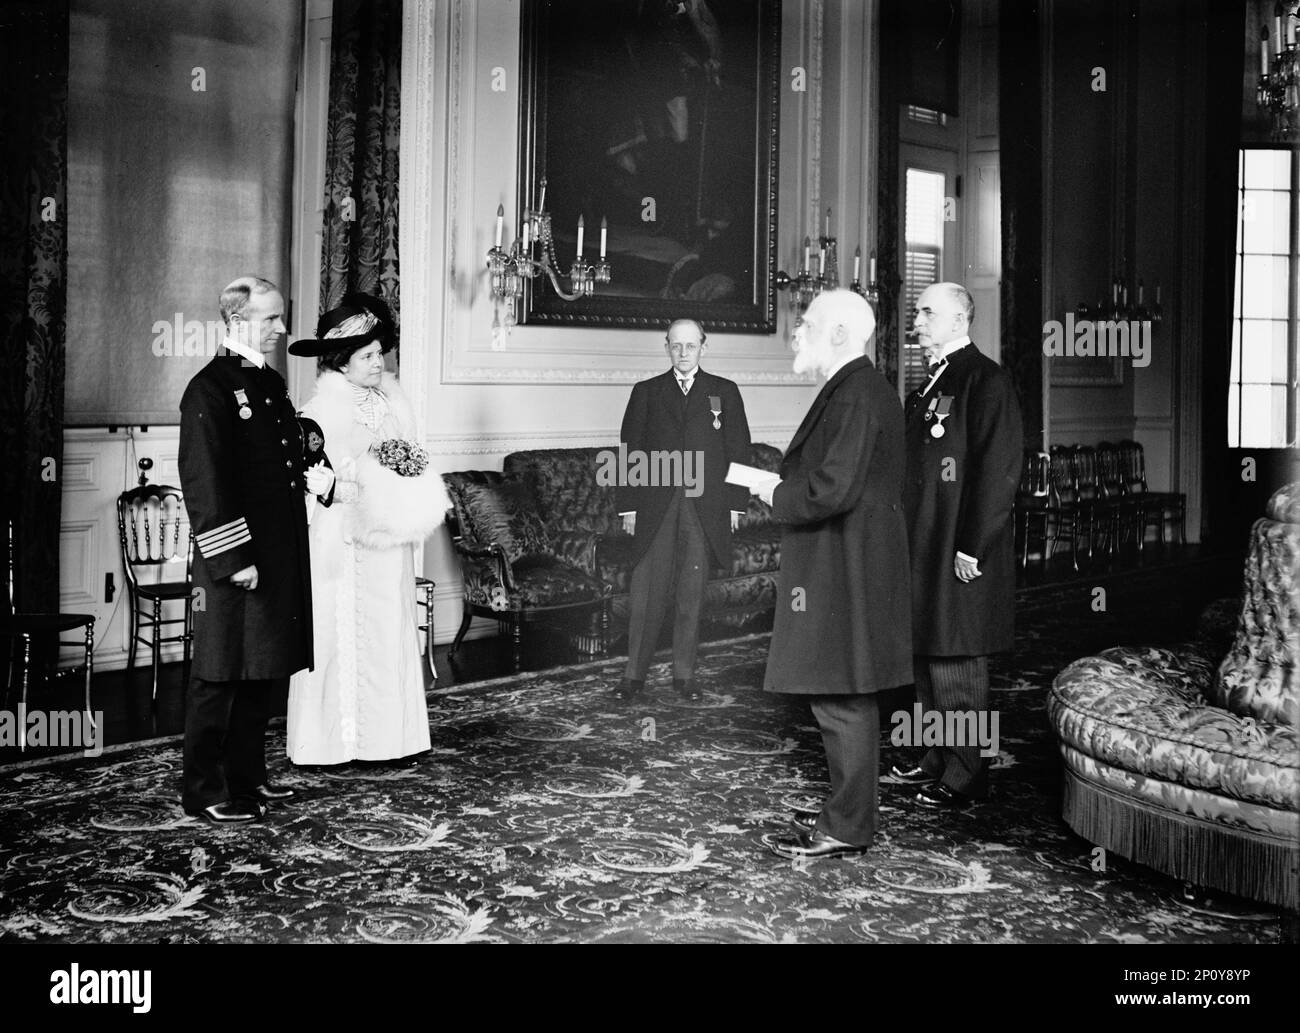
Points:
(225, 546)
(225, 540)
(234, 527)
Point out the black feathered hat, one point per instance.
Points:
(358, 320)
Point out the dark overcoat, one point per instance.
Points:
(659, 418)
(244, 492)
(964, 506)
(842, 622)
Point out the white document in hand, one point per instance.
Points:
(750, 477)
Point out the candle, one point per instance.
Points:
(581, 230)
(1114, 291)
(1277, 25)
(1157, 294)
(1141, 291)
(1263, 51)
(1290, 29)
(873, 268)
(604, 229)
(541, 204)
(821, 262)
(807, 255)
(501, 216)
(527, 225)
(857, 263)
(828, 222)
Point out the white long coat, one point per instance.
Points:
(365, 698)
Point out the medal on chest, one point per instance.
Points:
(241, 396)
(939, 410)
(715, 407)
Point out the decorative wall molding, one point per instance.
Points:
(553, 375)
(505, 442)
(479, 152)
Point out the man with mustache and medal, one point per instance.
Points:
(679, 532)
(248, 465)
(964, 442)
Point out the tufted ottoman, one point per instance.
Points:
(1187, 761)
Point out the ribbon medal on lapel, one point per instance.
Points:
(715, 407)
(940, 409)
(241, 396)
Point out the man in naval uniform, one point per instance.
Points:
(245, 483)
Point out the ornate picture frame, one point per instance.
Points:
(660, 118)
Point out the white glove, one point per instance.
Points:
(319, 478)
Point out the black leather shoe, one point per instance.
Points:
(629, 689)
(816, 846)
(231, 812)
(911, 776)
(940, 797)
(267, 792)
(688, 690)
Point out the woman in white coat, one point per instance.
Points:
(364, 700)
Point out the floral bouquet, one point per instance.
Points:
(405, 458)
(401, 499)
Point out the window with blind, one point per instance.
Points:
(924, 193)
(1262, 386)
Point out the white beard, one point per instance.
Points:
(805, 361)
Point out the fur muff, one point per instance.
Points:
(396, 510)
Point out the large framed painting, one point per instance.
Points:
(659, 117)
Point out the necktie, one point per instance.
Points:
(686, 386)
(933, 368)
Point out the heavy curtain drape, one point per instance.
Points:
(33, 286)
(889, 276)
(360, 248)
(1020, 127)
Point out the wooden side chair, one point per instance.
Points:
(424, 601)
(1065, 501)
(22, 630)
(1155, 508)
(1034, 501)
(1119, 509)
(155, 536)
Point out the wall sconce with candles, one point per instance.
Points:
(1279, 73)
(807, 284)
(508, 270)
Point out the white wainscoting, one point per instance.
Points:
(98, 465)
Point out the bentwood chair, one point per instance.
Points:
(157, 557)
(25, 630)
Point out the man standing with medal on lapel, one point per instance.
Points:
(245, 473)
(964, 443)
(679, 533)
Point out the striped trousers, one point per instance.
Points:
(948, 683)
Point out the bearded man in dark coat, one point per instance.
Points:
(245, 482)
(842, 632)
(964, 449)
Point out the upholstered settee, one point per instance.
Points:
(1188, 761)
(544, 534)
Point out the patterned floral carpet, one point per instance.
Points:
(547, 812)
